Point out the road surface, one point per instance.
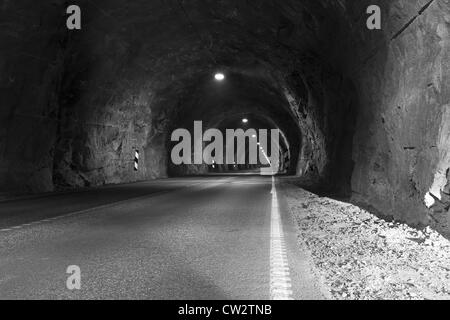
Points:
(190, 238)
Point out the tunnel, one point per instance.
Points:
(364, 113)
(363, 121)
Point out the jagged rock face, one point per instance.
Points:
(31, 64)
(403, 119)
(365, 111)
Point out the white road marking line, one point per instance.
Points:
(280, 281)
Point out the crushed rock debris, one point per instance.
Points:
(360, 256)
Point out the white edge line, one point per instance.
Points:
(280, 281)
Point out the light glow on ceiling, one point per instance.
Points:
(219, 76)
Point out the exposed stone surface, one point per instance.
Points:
(366, 112)
(31, 61)
(404, 94)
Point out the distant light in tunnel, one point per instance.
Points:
(219, 76)
(245, 120)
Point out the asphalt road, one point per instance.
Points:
(192, 238)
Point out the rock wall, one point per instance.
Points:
(31, 64)
(109, 108)
(402, 138)
(325, 108)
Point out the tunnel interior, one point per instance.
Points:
(365, 113)
(225, 104)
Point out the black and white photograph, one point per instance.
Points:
(224, 154)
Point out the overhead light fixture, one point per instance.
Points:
(254, 136)
(245, 120)
(219, 76)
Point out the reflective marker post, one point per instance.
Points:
(136, 160)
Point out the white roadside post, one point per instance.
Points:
(136, 160)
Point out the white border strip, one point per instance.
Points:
(280, 281)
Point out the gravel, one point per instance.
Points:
(360, 256)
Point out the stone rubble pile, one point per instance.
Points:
(360, 256)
